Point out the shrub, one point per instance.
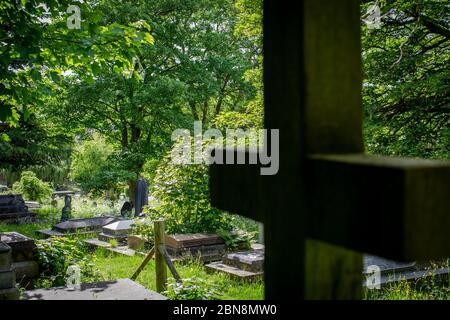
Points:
(31, 187)
(56, 255)
(182, 194)
(192, 289)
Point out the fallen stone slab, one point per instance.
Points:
(233, 272)
(121, 289)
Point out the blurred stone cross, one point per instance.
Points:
(141, 197)
(329, 200)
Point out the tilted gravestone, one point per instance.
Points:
(329, 200)
(141, 198)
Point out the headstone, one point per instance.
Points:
(77, 226)
(8, 290)
(24, 257)
(141, 198)
(13, 209)
(127, 209)
(135, 242)
(207, 247)
(67, 209)
(118, 230)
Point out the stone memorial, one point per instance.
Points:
(24, 257)
(141, 198)
(206, 247)
(244, 265)
(78, 226)
(117, 230)
(127, 209)
(13, 209)
(8, 290)
(67, 209)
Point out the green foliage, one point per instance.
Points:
(182, 193)
(56, 255)
(237, 238)
(93, 166)
(406, 84)
(143, 228)
(37, 51)
(32, 188)
(192, 289)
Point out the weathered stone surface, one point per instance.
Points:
(25, 271)
(121, 289)
(5, 257)
(178, 241)
(7, 279)
(23, 248)
(86, 224)
(121, 227)
(103, 244)
(77, 226)
(13, 209)
(9, 294)
(203, 253)
(245, 260)
(135, 242)
(233, 272)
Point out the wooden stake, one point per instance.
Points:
(160, 263)
(143, 264)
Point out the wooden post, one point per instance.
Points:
(160, 263)
(143, 264)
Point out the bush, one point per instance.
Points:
(56, 255)
(31, 187)
(182, 194)
(192, 289)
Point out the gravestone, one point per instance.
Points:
(207, 247)
(67, 209)
(243, 265)
(13, 209)
(24, 257)
(127, 209)
(8, 290)
(328, 197)
(117, 230)
(77, 226)
(141, 198)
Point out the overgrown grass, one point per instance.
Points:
(113, 266)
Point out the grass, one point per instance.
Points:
(113, 266)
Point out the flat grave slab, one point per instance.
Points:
(178, 241)
(103, 244)
(245, 260)
(121, 289)
(78, 226)
(233, 272)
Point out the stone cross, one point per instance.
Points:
(329, 200)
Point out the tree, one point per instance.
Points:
(406, 90)
(38, 46)
(193, 71)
